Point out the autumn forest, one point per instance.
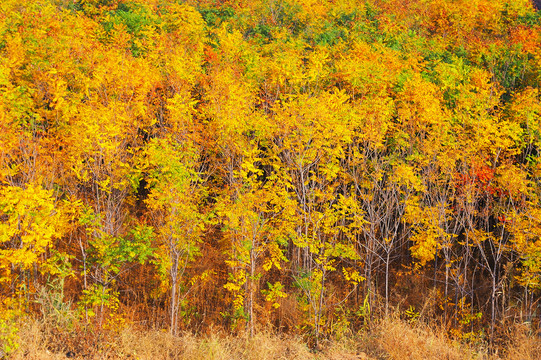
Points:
(304, 167)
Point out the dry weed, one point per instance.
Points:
(388, 339)
(400, 340)
(523, 344)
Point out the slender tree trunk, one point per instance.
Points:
(85, 285)
(493, 308)
(174, 296)
(319, 308)
(387, 283)
(251, 294)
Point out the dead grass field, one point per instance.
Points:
(388, 339)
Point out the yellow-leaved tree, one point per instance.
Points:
(32, 218)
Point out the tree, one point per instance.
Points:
(176, 193)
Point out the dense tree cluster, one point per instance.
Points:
(295, 163)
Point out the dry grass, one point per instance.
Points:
(215, 346)
(38, 343)
(523, 344)
(388, 339)
(400, 340)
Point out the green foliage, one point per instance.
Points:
(365, 311)
(330, 35)
(215, 16)
(111, 253)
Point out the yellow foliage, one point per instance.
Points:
(428, 235)
(526, 230)
(33, 220)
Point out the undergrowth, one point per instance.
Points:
(389, 338)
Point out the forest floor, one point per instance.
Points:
(388, 339)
